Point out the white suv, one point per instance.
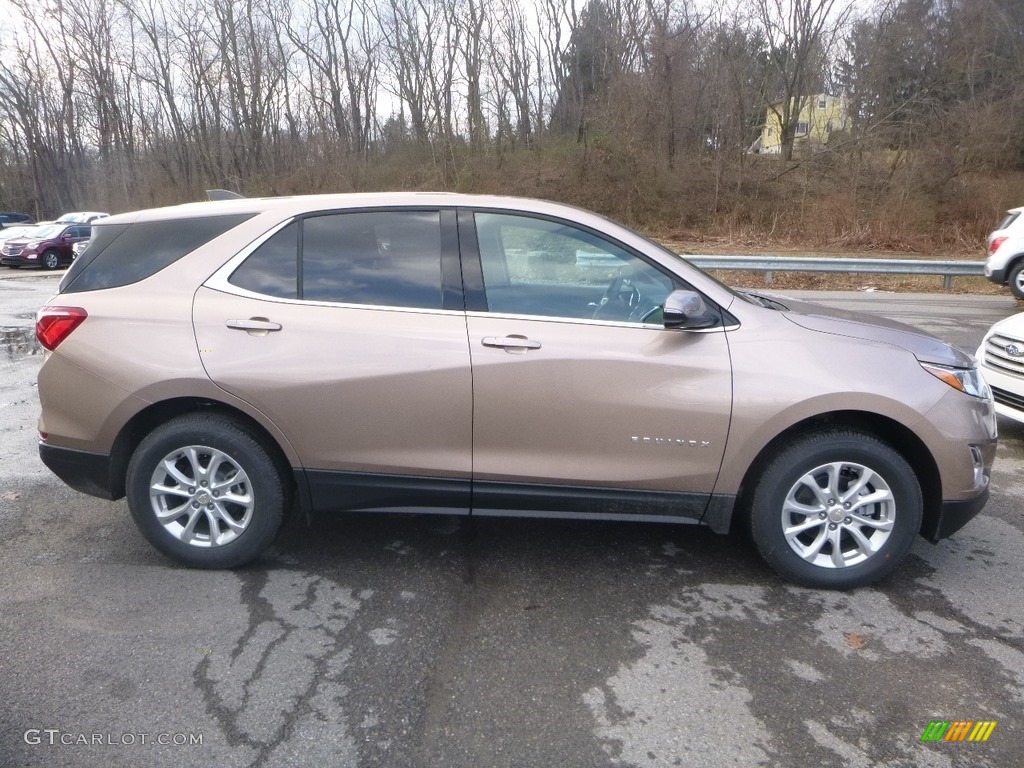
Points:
(1005, 264)
(1001, 356)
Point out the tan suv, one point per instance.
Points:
(222, 363)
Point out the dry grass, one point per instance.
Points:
(832, 281)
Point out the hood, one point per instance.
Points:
(1012, 326)
(927, 349)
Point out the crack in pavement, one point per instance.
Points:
(278, 691)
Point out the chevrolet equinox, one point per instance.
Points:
(222, 363)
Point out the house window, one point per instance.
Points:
(801, 128)
(821, 104)
(828, 127)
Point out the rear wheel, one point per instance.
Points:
(1016, 279)
(51, 258)
(836, 509)
(205, 492)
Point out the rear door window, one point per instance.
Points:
(380, 258)
(372, 258)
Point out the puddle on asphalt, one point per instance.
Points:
(19, 342)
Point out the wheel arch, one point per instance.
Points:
(151, 417)
(1014, 262)
(902, 439)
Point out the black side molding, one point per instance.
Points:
(337, 491)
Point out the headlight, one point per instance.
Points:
(967, 380)
(31, 246)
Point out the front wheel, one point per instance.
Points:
(206, 492)
(51, 259)
(836, 509)
(1016, 279)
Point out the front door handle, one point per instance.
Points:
(255, 326)
(509, 343)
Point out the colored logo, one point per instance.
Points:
(958, 730)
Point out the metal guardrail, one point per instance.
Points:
(769, 264)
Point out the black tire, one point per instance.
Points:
(252, 494)
(1015, 280)
(835, 536)
(51, 258)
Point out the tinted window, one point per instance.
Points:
(101, 238)
(142, 249)
(272, 268)
(539, 267)
(384, 258)
(1010, 218)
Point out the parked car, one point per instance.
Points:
(10, 219)
(1005, 245)
(48, 245)
(79, 248)
(1001, 355)
(490, 356)
(15, 231)
(80, 217)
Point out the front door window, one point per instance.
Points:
(538, 267)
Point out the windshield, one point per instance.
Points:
(9, 233)
(44, 232)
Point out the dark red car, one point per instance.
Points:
(47, 246)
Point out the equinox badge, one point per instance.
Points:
(671, 441)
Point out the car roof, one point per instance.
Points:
(299, 204)
(76, 217)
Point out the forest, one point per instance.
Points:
(649, 111)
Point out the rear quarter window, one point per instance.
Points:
(121, 254)
(1010, 218)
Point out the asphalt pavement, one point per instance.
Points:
(434, 641)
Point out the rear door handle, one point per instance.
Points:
(256, 326)
(513, 342)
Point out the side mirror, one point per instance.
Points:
(687, 311)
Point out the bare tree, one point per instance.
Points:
(800, 34)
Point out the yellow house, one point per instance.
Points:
(821, 116)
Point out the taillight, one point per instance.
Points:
(994, 245)
(54, 324)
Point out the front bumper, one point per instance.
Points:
(20, 261)
(90, 473)
(954, 515)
